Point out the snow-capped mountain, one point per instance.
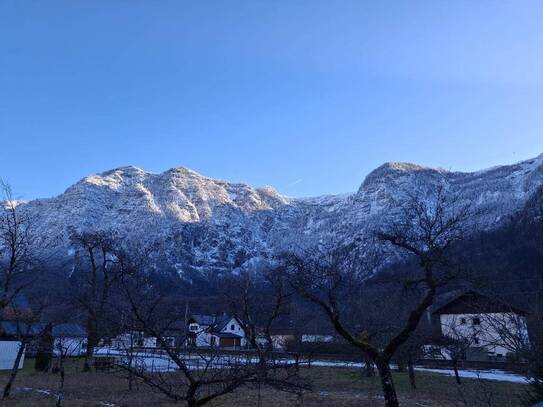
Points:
(209, 226)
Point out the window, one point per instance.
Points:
(476, 321)
(476, 340)
(463, 321)
(232, 327)
(193, 327)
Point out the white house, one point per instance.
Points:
(485, 325)
(215, 331)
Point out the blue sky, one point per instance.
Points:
(306, 96)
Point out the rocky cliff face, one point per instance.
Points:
(211, 226)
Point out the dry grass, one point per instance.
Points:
(332, 387)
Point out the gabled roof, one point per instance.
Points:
(70, 330)
(219, 326)
(20, 301)
(283, 325)
(14, 329)
(216, 323)
(474, 302)
(203, 319)
(17, 301)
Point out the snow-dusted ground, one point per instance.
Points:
(494, 374)
(162, 363)
(498, 375)
(46, 392)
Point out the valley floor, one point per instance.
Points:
(332, 387)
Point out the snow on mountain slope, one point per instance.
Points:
(206, 225)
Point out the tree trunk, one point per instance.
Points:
(14, 370)
(60, 395)
(456, 374)
(130, 374)
(411, 371)
(368, 370)
(45, 351)
(192, 401)
(92, 339)
(389, 392)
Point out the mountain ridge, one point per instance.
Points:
(207, 224)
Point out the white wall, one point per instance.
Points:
(203, 339)
(8, 353)
(234, 327)
(496, 332)
(280, 341)
(317, 338)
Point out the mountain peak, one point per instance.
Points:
(390, 172)
(184, 171)
(128, 169)
(114, 178)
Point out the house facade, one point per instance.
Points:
(487, 328)
(221, 331)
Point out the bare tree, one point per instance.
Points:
(93, 277)
(64, 346)
(409, 352)
(506, 330)
(182, 373)
(18, 247)
(261, 301)
(19, 266)
(426, 230)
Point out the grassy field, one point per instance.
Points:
(331, 387)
